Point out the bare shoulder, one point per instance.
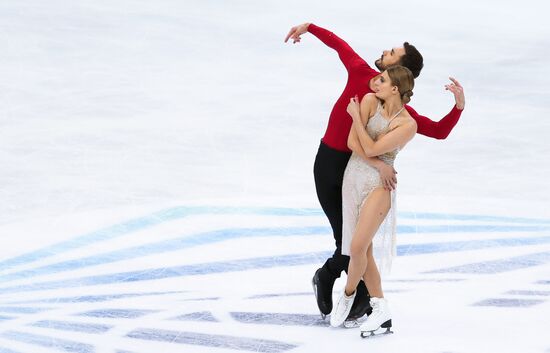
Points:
(410, 124)
(404, 121)
(369, 98)
(369, 102)
(407, 118)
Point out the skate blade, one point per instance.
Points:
(323, 316)
(374, 334)
(351, 324)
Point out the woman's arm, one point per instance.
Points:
(355, 145)
(387, 172)
(396, 138)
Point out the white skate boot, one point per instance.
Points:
(342, 308)
(380, 317)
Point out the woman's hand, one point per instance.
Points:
(354, 108)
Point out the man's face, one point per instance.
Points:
(389, 58)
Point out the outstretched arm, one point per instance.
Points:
(347, 55)
(396, 138)
(441, 129)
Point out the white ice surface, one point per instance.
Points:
(113, 111)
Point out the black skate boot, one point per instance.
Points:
(322, 288)
(361, 306)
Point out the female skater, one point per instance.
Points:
(381, 127)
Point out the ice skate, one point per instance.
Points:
(360, 307)
(341, 311)
(361, 304)
(379, 318)
(353, 322)
(322, 288)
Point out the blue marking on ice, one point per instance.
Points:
(502, 265)
(200, 299)
(148, 221)
(218, 341)
(6, 350)
(282, 319)
(508, 303)
(22, 310)
(290, 260)
(469, 228)
(429, 248)
(156, 218)
(197, 316)
(3, 318)
(273, 295)
(463, 217)
(529, 292)
(73, 326)
(226, 234)
(163, 246)
(50, 342)
(117, 313)
(177, 271)
(95, 298)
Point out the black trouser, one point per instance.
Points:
(328, 171)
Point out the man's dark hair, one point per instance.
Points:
(412, 59)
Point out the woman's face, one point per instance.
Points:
(383, 87)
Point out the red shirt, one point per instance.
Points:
(359, 76)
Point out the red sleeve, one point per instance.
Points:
(347, 55)
(438, 130)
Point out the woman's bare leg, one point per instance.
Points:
(372, 214)
(372, 276)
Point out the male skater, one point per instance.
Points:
(333, 154)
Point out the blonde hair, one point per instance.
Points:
(403, 78)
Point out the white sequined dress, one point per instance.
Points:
(360, 179)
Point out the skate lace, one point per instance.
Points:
(347, 302)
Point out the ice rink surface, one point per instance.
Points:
(157, 189)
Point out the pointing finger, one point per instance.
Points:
(289, 34)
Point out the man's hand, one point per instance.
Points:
(458, 92)
(387, 176)
(295, 33)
